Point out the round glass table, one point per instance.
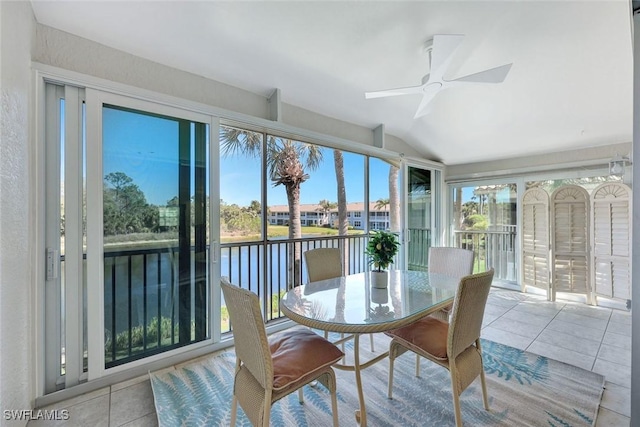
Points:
(352, 304)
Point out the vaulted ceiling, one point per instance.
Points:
(570, 85)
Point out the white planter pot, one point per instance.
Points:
(379, 279)
(379, 295)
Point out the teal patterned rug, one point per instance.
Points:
(524, 390)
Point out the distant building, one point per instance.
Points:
(315, 215)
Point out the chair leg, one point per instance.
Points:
(300, 395)
(371, 337)
(417, 365)
(483, 382)
(334, 400)
(234, 410)
(392, 357)
(485, 395)
(266, 417)
(456, 399)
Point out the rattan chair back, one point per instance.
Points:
(468, 310)
(455, 262)
(323, 263)
(250, 336)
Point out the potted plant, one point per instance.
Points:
(381, 249)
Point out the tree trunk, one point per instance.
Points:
(394, 199)
(295, 232)
(343, 224)
(457, 217)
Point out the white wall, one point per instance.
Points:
(543, 162)
(70, 52)
(16, 28)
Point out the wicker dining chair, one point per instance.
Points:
(454, 345)
(454, 262)
(268, 369)
(323, 264)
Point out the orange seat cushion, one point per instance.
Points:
(299, 352)
(429, 334)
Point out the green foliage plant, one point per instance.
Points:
(382, 248)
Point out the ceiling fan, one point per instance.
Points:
(440, 52)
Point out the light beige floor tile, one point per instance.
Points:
(94, 413)
(562, 354)
(540, 308)
(495, 310)
(615, 355)
(619, 328)
(587, 321)
(506, 338)
(617, 399)
(569, 342)
(613, 372)
(133, 381)
(617, 340)
(607, 418)
(488, 319)
(503, 300)
(587, 310)
(575, 329)
(79, 399)
(537, 297)
(131, 403)
(150, 420)
(620, 316)
(528, 317)
(516, 327)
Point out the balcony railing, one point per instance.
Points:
(141, 285)
(493, 248)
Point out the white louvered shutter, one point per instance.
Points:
(611, 228)
(570, 240)
(535, 239)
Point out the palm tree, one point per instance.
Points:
(394, 199)
(325, 208)
(285, 159)
(382, 204)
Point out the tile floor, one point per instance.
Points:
(594, 338)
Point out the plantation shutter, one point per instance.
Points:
(570, 241)
(535, 239)
(612, 240)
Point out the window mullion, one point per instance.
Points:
(73, 235)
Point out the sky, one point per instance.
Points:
(145, 148)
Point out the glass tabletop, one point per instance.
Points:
(353, 304)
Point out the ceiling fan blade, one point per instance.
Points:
(394, 92)
(494, 75)
(444, 45)
(429, 94)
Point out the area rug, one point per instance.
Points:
(524, 390)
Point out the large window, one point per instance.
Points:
(485, 221)
(155, 232)
(126, 232)
(148, 204)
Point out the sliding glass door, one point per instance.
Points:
(422, 212)
(155, 195)
(485, 220)
(128, 229)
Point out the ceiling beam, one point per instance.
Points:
(275, 108)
